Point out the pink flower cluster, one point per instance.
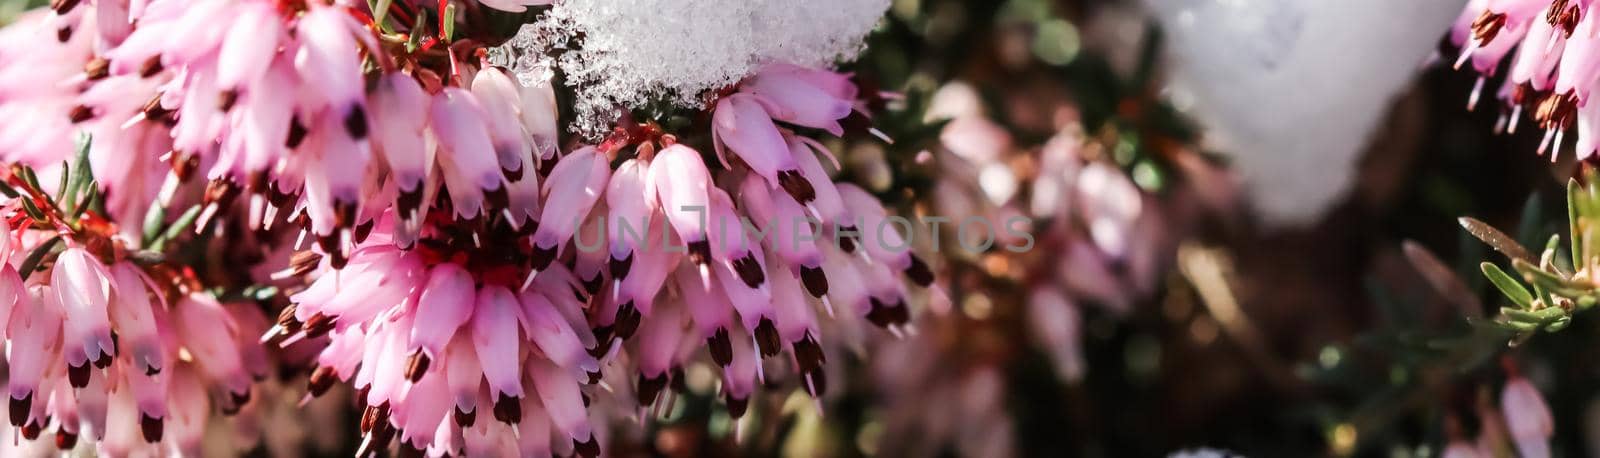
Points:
(99, 348)
(1554, 52)
(433, 326)
(446, 275)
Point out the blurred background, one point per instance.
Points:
(1306, 285)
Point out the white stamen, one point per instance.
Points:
(298, 336)
(1466, 54)
(1477, 91)
(205, 218)
(881, 136)
(761, 371)
(528, 281)
(271, 332)
(1545, 142)
(616, 345)
(169, 186)
(1555, 147)
(132, 121)
(1516, 115)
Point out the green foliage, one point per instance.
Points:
(1548, 290)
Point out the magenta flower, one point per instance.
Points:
(1554, 50)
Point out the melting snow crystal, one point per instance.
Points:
(628, 53)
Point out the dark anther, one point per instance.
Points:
(228, 98)
(80, 113)
(78, 375)
(627, 320)
(152, 427)
(32, 430)
(650, 387)
(416, 366)
(184, 165)
(513, 175)
(919, 272)
(355, 122)
(808, 354)
(97, 69)
(302, 262)
(465, 419)
(20, 409)
(816, 282)
(619, 267)
(587, 449)
(546, 165)
(1487, 26)
(543, 256)
(721, 347)
(497, 197)
(221, 192)
(602, 338)
(410, 200)
(592, 286)
(880, 314)
(847, 243)
(819, 383)
(363, 230)
(240, 399)
(321, 381)
(767, 338)
(297, 133)
(750, 271)
(63, 6)
(700, 252)
(318, 325)
(66, 440)
(737, 407)
(150, 67)
(797, 186)
(508, 409)
(104, 360)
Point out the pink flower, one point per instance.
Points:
(83, 289)
(574, 186)
(631, 199)
(1527, 417)
(683, 185)
(741, 124)
(803, 96)
(466, 156)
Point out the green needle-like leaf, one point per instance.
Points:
(34, 258)
(152, 223)
(1574, 228)
(81, 175)
(1508, 286)
(182, 224)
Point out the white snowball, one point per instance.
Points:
(1294, 88)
